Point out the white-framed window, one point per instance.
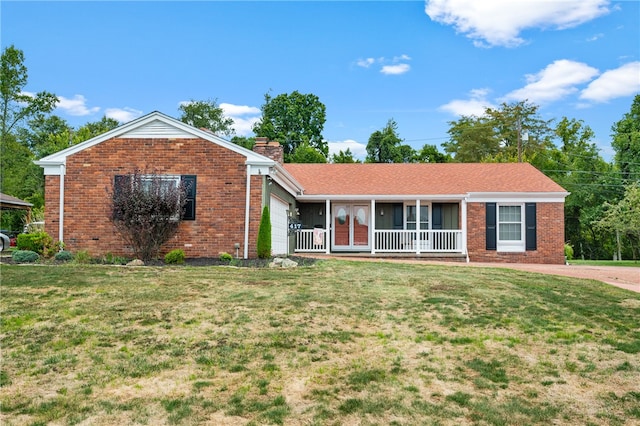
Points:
(511, 229)
(411, 217)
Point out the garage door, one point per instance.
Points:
(279, 226)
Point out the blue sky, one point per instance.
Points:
(422, 63)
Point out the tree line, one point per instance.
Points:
(601, 216)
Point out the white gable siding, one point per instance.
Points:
(157, 129)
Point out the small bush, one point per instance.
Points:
(226, 257)
(25, 256)
(568, 251)
(264, 235)
(63, 256)
(82, 257)
(37, 241)
(174, 257)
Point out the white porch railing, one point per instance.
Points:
(403, 241)
(392, 241)
(306, 241)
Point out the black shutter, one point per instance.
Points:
(397, 216)
(491, 226)
(436, 216)
(530, 224)
(189, 182)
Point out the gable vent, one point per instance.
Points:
(157, 129)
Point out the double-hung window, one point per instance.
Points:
(510, 227)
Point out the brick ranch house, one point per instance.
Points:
(503, 212)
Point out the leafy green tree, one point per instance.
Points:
(15, 104)
(264, 235)
(293, 119)
(430, 154)
(512, 132)
(206, 115)
(384, 146)
(244, 141)
(18, 175)
(343, 157)
(578, 167)
(306, 154)
(624, 217)
(626, 142)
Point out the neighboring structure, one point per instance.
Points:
(482, 212)
(8, 202)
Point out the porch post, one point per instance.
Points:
(418, 227)
(327, 226)
(373, 226)
(464, 228)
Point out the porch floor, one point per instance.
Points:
(449, 257)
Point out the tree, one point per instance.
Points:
(146, 211)
(430, 154)
(244, 141)
(384, 146)
(15, 104)
(264, 235)
(624, 217)
(18, 175)
(306, 154)
(626, 142)
(206, 115)
(293, 119)
(512, 132)
(343, 157)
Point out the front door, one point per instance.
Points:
(351, 227)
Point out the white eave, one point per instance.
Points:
(540, 197)
(154, 125)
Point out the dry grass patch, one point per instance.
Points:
(337, 343)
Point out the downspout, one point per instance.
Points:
(246, 213)
(372, 217)
(61, 214)
(327, 226)
(464, 228)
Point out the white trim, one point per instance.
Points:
(182, 130)
(397, 198)
(463, 219)
(246, 213)
(517, 197)
(511, 246)
(327, 227)
(61, 202)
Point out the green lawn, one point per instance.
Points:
(621, 263)
(338, 343)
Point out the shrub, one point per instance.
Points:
(83, 257)
(264, 235)
(25, 256)
(37, 241)
(63, 256)
(226, 257)
(568, 251)
(174, 257)
(146, 211)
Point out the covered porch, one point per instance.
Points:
(375, 226)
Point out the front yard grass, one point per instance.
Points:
(337, 343)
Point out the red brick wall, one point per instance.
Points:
(220, 195)
(550, 236)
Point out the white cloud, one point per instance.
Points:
(365, 63)
(243, 116)
(77, 106)
(623, 81)
(394, 66)
(123, 115)
(358, 150)
(500, 22)
(474, 106)
(554, 82)
(395, 69)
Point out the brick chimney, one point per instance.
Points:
(270, 149)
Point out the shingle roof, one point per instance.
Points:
(420, 179)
